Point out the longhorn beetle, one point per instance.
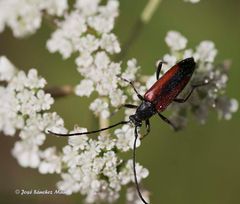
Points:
(162, 93)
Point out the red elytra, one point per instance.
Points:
(167, 88)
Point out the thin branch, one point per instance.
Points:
(60, 91)
(145, 18)
(149, 10)
(104, 122)
(3, 83)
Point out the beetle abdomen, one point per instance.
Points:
(167, 88)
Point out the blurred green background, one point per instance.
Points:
(199, 165)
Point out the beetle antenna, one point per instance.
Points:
(134, 167)
(90, 132)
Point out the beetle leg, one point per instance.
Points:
(148, 127)
(168, 121)
(131, 83)
(183, 100)
(134, 166)
(129, 106)
(124, 106)
(159, 67)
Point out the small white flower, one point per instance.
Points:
(59, 43)
(79, 142)
(126, 175)
(66, 38)
(68, 185)
(226, 107)
(50, 121)
(125, 138)
(87, 8)
(84, 60)
(85, 88)
(50, 162)
(221, 81)
(100, 107)
(73, 26)
(206, 51)
(170, 61)
(7, 69)
(117, 98)
(70, 156)
(102, 60)
(105, 142)
(88, 43)
(44, 100)
(27, 155)
(175, 40)
(234, 105)
(54, 7)
(110, 43)
(32, 136)
(93, 148)
(33, 81)
(98, 164)
(151, 80)
(26, 18)
(131, 70)
(110, 10)
(18, 82)
(111, 160)
(187, 53)
(101, 24)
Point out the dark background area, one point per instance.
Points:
(199, 165)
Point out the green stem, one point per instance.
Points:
(149, 10)
(60, 91)
(144, 19)
(102, 124)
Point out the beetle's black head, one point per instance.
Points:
(187, 63)
(144, 111)
(135, 120)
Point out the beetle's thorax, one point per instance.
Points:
(144, 111)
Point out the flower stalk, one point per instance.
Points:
(145, 17)
(104, 122)
(60, 91)
(149, 10)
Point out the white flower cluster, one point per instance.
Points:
(94, 169)
(24, 17)
(87, 31)
(22, 109)
(207, 97)
(73, 33)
